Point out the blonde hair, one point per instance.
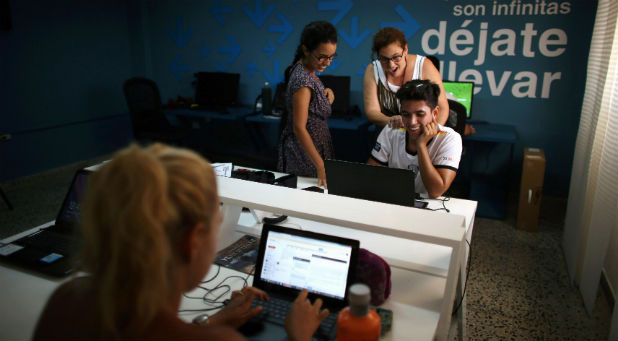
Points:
(138, 206)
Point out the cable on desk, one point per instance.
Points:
(213, 277)
(249, 274)
(209, 291)
(443, 208)
(467, 276)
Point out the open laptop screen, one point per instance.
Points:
(290, 259)
(299, 262)
(69, 216)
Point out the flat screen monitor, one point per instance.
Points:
(216, 90)
(462, 92)
(341, 87)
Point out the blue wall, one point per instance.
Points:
(62, 67)
(80, 56)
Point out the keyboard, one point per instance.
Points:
(276, 309)
(47, 240)
(245, 247)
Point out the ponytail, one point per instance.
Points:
(132, 216)
(297, 56)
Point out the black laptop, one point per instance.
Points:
(369, 182)
(52, 250)
(289, 260)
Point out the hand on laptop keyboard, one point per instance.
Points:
(304, 317)
(239, 309)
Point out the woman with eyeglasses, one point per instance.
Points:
(392, 68)
(305, 140)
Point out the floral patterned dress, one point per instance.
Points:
(292, 158)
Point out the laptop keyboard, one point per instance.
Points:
(47, 240)
(275, 310)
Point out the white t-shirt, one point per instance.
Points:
(444, 152)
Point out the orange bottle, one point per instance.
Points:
(358, 322)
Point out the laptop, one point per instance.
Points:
(52, 250)
(289, 260)
(369, 182)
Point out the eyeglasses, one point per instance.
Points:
(322, 58)
(396, 58)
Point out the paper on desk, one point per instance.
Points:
(223, 169)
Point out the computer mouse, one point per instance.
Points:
(200, 319)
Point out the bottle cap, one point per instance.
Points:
(359, 294)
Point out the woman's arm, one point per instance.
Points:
(431, 73)
(370, 99)
(300, 107)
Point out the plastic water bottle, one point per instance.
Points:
(357, 321)
(267, 99)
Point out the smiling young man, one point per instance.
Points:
(430, 149)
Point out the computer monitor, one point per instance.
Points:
(216, 90)
(341, 87)
(462, 92)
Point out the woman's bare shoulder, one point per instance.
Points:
(69, 306)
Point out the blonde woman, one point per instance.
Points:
(150, 225)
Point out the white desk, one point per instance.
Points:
(424, 275)
(419, 242)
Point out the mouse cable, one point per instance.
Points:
(209, 291)
(443, 208)
(220, 286)
(246, 279)
(216, 288)
(199, 310)
(467, 277)
(213, 277)
(204, 282)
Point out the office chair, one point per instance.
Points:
(146, 111)
(460, 187)
(457, 117)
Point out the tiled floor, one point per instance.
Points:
(518, 287)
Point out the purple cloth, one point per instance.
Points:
(292, 158)
(376, 273)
